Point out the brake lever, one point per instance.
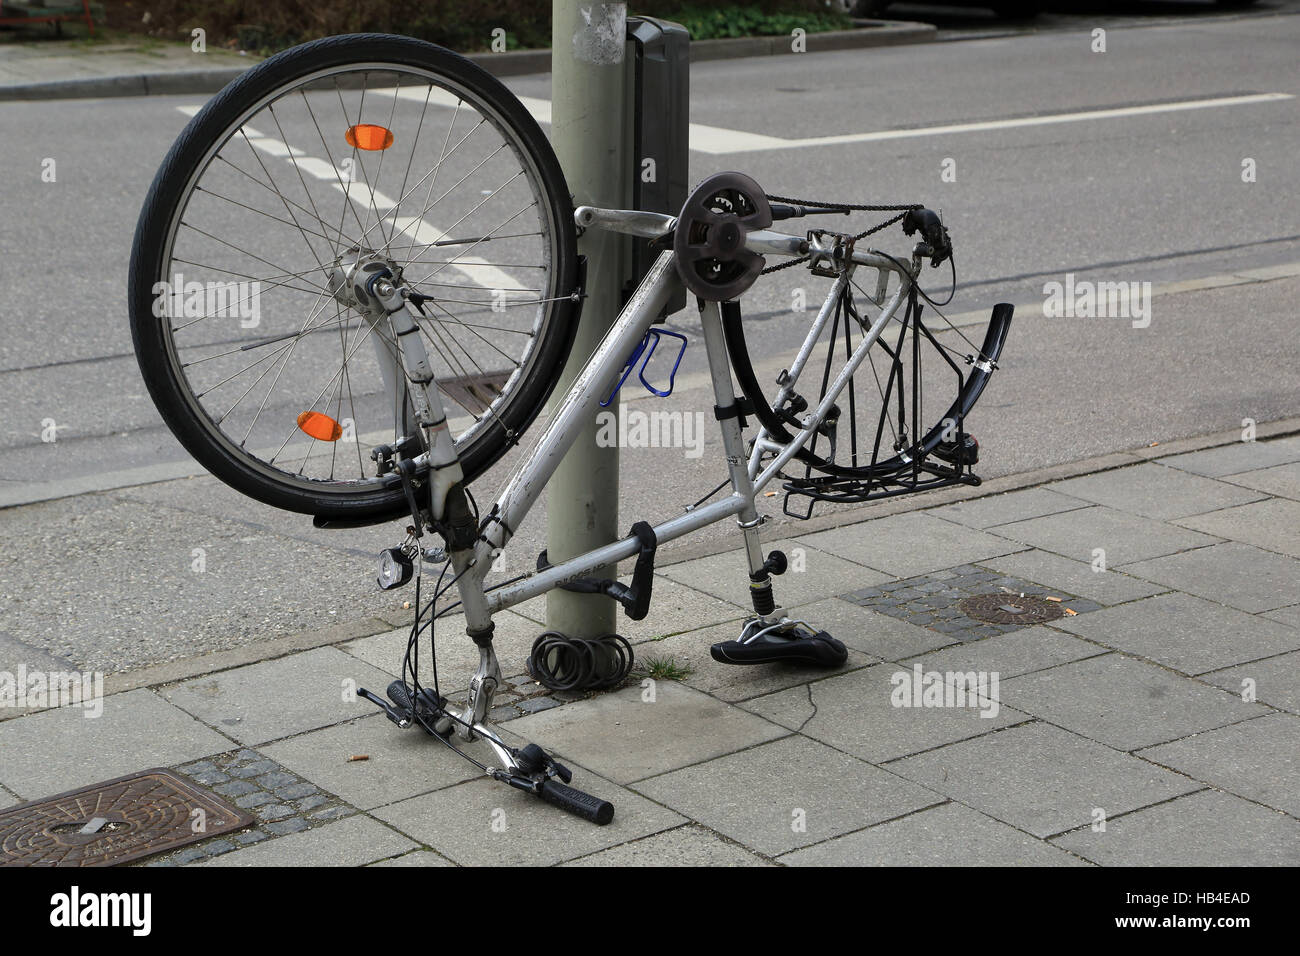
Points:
(398, 717)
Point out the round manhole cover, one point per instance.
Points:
(1010, 609)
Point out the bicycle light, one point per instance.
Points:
(394, 569)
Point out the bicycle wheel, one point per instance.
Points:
(349, 151)
(900, 424)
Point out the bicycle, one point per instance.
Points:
(469, 294)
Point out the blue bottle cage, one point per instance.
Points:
(652, 339)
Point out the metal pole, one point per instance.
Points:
(588, 104)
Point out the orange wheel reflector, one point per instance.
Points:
(320, 426)
(367, 136)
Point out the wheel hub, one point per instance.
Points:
(350, 275)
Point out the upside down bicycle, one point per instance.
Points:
(405, 232)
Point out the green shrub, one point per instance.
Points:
(264, 26)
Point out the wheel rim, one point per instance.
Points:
(905, 405)
(289, 188)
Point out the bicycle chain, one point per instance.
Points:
(903, 210)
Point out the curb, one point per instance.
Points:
(868, 33)
(174, 671)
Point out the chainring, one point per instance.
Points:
(709, 240)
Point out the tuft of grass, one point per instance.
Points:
(663, 668)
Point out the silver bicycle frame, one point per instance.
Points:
(578, 407)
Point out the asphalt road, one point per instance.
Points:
(1153, 194)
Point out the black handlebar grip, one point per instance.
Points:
(400, 695)
(580, 804)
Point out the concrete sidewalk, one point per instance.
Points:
(1156, 720)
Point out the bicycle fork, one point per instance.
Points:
(448, 503)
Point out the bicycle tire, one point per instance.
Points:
(304, 69)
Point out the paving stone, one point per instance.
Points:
(1021, 651)
(947, 835)
(907, 545)
(678, 607)
(1289, 616)
(786, 794)
(198, 767)
(256, 694)
(1155, 491)
(402, 763)
(1236, 458)
(1124, 702)
(62, 749)
(1011, 506)
(218, 847)
(825, 573)
(1202, 829)
(331, 813)
(350, 842)
(7, 799)
(1275, 681)
(855, 713)
(733, 683)
(279, 778)
(1184, 632)
(624, 737)
(291, 825)
(188, 855)
(210, 778)
(237, 788)
(1125, 538)
(311, 803)
(295, 791)
(1234, 574)
(684, 846)
(1273, 525)
(457, 656)
(537, 704)
(254, 769)
(258, 798)
(1074, 577)
(1281, 480)
(415, 858)
(274, 811)
(485, 823)
(1257, 759)
(1042, 779)
(248, 837)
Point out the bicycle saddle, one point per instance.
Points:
(793, 643)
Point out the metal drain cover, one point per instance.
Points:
(114, 822)
(1009, 609)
